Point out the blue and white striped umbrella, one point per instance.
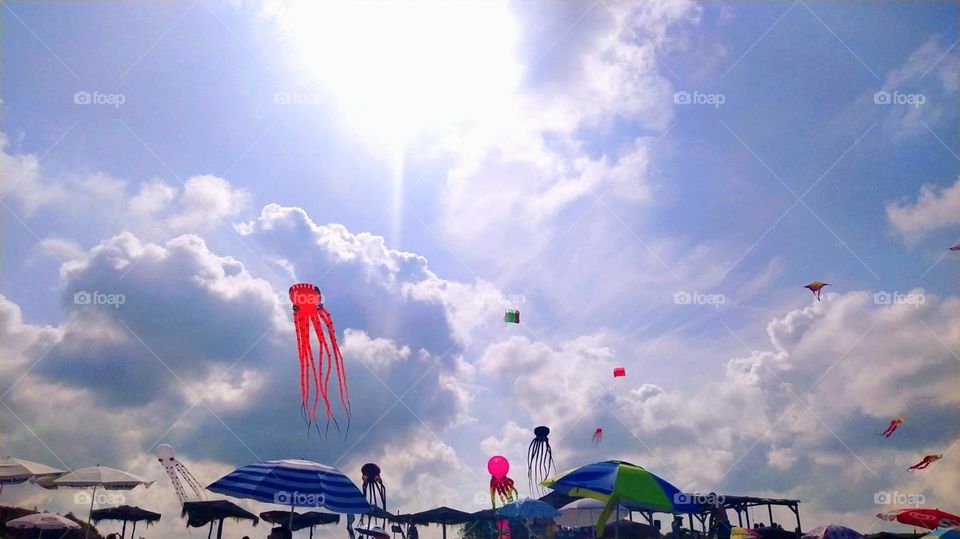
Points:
(294, 483)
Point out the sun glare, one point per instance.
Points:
(396, 67)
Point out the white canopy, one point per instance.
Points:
(100, 476)
(42, 521)
(14, 471)
(585, 512)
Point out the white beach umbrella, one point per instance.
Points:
(14, 471)
(99, 477)
(42, 521)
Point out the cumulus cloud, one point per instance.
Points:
(935, 208)
(376, 353)
(155, 209)
(516, 174)
(835, 372)
(201, 352)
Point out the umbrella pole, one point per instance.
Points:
(444, 530)
(133, 532)
(291, 519)
(210, 533)
(123, 531)
(311, 532)
(220, 529)
(93, 497)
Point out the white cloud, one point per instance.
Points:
(377, 353)
(935, 208)
(517, 172)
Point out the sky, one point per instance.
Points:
(651, 184)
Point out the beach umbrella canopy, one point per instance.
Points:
(205, 512)
(14, 471)
(944, 533)
(528, 509)
(294, 483)
(441, 515)
(99, 477)
(615, 481)
(201, 513)
(42, 521)
(125, 513)
(922, 518)
(583, 513)
(832, 531)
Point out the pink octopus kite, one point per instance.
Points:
(308, 310)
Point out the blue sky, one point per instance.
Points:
(429, 165)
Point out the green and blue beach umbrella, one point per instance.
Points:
(615, 482)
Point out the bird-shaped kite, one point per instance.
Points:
(927, 461)
(308, 310)
(892, 427)
(815, 287)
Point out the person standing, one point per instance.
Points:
(675, 526)
(719, 523)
